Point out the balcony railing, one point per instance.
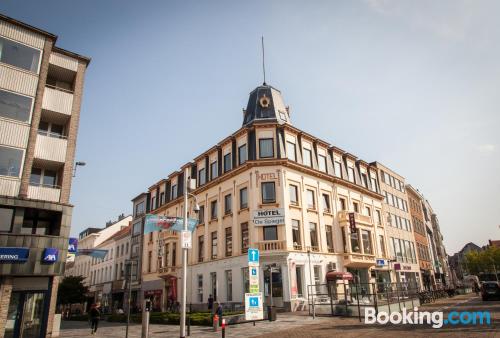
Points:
(58, 100)
(50, 148)
(271, 245)
(9, 186)
(44, 193)
(297, 246)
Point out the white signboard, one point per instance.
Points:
(264, 217)
(253, 278)
(253, 306)
(186, 239)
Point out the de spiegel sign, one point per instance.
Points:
(264, 217)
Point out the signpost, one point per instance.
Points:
(253, 273)
(265, 217)
(352, 222)
(253, 306)
(253, 257)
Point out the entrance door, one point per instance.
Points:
(25, 315)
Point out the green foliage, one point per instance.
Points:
(168, 318)
(71, 290)
(484, 261)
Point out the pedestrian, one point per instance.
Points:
(210, 303)
(95, 315)
(219, 313)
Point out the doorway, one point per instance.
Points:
(25, 316)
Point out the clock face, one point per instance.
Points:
(264, 101)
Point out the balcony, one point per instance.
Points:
(44, 193)
(9, 186)
(49, 148)
(360, 219)
(167, 270)
(57, 100)
(271, 245)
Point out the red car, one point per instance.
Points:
(490, 290)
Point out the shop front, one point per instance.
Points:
(408, 274)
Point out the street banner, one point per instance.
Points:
(96, 253)
(157, 222)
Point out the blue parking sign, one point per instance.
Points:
(254, 271)
(253, 257)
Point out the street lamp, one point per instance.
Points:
(184, 251)
(130, 263)
(81, 164)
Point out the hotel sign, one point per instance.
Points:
(14, 254)
(266, 217)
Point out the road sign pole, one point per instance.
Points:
(184, 261)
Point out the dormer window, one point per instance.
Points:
(266, 148)
(307, 157)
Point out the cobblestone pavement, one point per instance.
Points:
(298, 325)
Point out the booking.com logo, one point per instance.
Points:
(436, 318)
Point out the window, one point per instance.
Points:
(174, 254)
(298, 273)
(367, 242)
(378, 217)
(297, 243)
(201, 215)
(368, 211)
(268, 192)
(6, 219)
(201, 248)
(227, 162)
(50, 129)
(364, 180)
(213, 210)
(244, 238)
(150, 259)
(41, 222)
(126, 248)
(307, 158)
(200, 288)
(139, 208)
(293, 194)
(14, 106)
(270, 233)
(153, 199)
(214, 245)
(266, 148)
(355, 205)
(243, 198)
(326, 203)
(10, 161)
(162, 198)
(329, 238)
(213, 170)
(229, 285)
(19, 55)
(355, 242)
(317, 277)
(213, 284)
(242, 154)
(311, 203)
(202, 176)
(229, 241)
(338, 168)
(291, 152)
(374, 184)
(173, 194)
(227, 204)
(343, 205)
(314, 236)
(382, 245)
(350, 174)
(322, 163)
(245, 279)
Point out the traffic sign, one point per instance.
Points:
(253, 306)
(253, 274)
(186, 239)
(253, 257)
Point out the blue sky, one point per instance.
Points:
(412, 84)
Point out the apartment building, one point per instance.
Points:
(415, 201)
(399, 229)
(268, 164)
(41, 87)
(100, 274)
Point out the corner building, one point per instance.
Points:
(41, 88)
(267, 164)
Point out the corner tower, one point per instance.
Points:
(265, 104)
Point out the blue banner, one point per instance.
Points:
(97, 253)
(14, 254)
(156, 223)
(72, 245)
(50, 255)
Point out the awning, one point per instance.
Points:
(336, 275)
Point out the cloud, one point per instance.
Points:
(486, 148)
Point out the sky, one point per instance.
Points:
(412, 84)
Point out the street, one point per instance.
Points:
(297, 325)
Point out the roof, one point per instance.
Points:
(266, 104)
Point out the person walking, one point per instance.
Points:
(95, 315)
(219, 312)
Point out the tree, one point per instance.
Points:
(481, 262)
(71, 290)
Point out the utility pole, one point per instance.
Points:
(311, 281)
(184, 260)
(130, 264)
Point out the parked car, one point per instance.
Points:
(490, 290)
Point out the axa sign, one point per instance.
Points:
(50, 255)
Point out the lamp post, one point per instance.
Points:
(81, 164)
(130, 263)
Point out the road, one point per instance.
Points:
(293, 325)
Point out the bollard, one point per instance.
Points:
(216, 322)
(223, 327)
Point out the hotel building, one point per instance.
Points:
(268, 164)
(41, 89)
